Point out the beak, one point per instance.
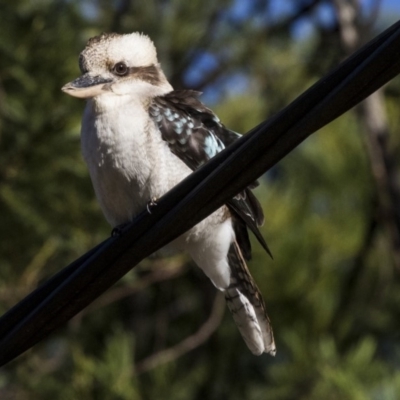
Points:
(87, 86)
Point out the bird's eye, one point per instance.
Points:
(120, 69)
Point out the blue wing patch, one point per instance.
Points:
(192, 131)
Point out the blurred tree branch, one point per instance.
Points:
(161, 271)
(372, 115)
(223, 66)
(188, 344)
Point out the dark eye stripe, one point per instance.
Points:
(148, 74)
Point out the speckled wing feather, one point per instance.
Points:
(192, 131)
(195, 134)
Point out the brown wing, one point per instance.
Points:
(195, 134)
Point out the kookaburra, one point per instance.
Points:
(140, 137)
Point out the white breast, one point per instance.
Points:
(128, 161)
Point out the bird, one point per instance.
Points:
(140, 138)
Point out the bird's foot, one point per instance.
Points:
(151, 204)
(117, 231)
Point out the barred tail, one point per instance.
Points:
(247, 306)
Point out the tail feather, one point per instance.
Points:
(247, 306)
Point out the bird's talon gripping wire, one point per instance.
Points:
(117, 231)
(151, 204)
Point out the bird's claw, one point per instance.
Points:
(117, 231)
(151, 204)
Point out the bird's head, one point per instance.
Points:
(119, 64)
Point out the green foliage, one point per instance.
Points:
(332, 291)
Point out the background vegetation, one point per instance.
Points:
(332, 209)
